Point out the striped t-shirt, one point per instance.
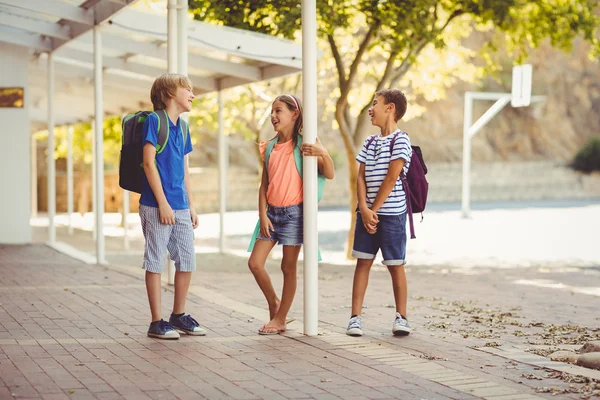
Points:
(377, 160)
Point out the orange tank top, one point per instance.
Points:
(285, 183)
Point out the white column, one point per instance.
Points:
(182, 37)
(51, 165)
(223, 161)
(466, 172)
(94, 205)
(70, 177)
(172, 35)
(309, 91)
(126, 200)
(99, 151)
(34, 184)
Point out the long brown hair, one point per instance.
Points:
(293, 104)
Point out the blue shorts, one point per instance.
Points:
(390, 238)
(288, 224)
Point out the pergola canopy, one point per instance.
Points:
(134, 48)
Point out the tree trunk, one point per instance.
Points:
(352, 169)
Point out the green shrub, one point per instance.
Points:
(588, 158)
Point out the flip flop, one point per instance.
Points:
(277, 330)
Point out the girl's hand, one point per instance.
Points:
(194, 217)
(266, 227)
(316, 149)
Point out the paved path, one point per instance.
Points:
(72, 330)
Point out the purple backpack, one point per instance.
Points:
(414, 183)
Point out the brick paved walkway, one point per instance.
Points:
(71, 330)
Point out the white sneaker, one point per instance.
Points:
(354, 326)
(401, 326)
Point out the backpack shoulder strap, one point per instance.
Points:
(163, 130)
(268, 149)
(371, 138)
(298, 157)
(393, 141)
(183, 125)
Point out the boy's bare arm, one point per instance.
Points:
(361, 189)
(369, 217)
(388, 183)
(188, 189)
(165, 211)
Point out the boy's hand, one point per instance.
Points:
(194, 217)
(369, 217)
(371, 229)
(316, 149)
(165, 214)
(266, 227)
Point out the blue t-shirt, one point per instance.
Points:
(170, 164)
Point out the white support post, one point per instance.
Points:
(34, 183)
(309, 90)
(182, 37)
(51, 165)
(99, 151)
(470, 130)
(172, 35)
(223, 160)
(466, 172)
(182, 68)
(94, 205)
(70, 178)
(126, 201)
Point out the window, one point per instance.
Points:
(11, 97)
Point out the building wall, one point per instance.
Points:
(518, 181)
(15, 164)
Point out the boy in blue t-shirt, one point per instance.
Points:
(166, 211)
(381, 216)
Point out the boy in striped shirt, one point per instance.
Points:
(381, 214)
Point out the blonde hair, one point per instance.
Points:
(165, 88)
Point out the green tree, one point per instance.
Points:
(399, 31)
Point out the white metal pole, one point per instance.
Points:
(51, 165)
(99, 153)
(182, 68)
(70, 178)
(172, 35)
(126, 200)
(34, 183)
(94, 205)
(182, 37)
(223, 160)
(466, 172)
(309, 91)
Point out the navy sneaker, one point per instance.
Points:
(162, 330)
(186, 324)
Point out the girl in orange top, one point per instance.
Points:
(280, 207)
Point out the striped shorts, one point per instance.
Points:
(178, 239)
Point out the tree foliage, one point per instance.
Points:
(398, 32)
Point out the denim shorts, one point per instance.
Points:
(288, 225)
(390, 238)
